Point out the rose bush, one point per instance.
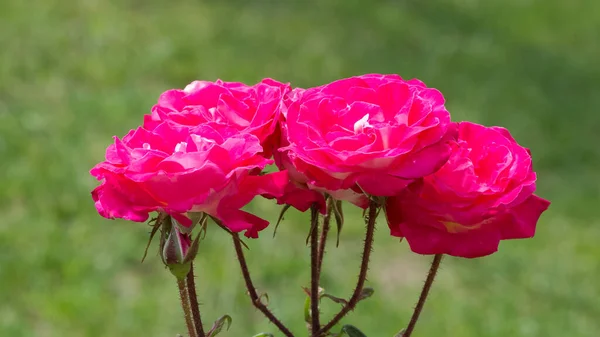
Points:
(252, 109)
(377, 141)
(482, 195)
(371, 133)
(173, 169)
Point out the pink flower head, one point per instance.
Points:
(253, 109)
(175, 169)
(371, 133)
(482, 195)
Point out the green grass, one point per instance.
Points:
(72, 74)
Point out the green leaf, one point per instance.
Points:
(352, 331)
(283, 210)
(335, 299)
(264, 334)
(366, 293)
(339, 218)
(307, 310)
(219, 324)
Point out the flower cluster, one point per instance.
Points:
(449, 188)
(200, 150)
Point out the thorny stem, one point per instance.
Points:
(435, 265)
(314, 270)
(256, 301)
(324, 233)
(191, 288)
(362, 275)
(185, 305)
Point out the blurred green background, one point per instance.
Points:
(73, 74)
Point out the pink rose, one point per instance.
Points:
(371, 133)
(482, 195)
(253, 109)
(299, 193)
(175, 169)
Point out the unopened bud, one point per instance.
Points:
(178, 250)
(175, 251)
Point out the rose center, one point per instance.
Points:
(180, 147)
(361, 124)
